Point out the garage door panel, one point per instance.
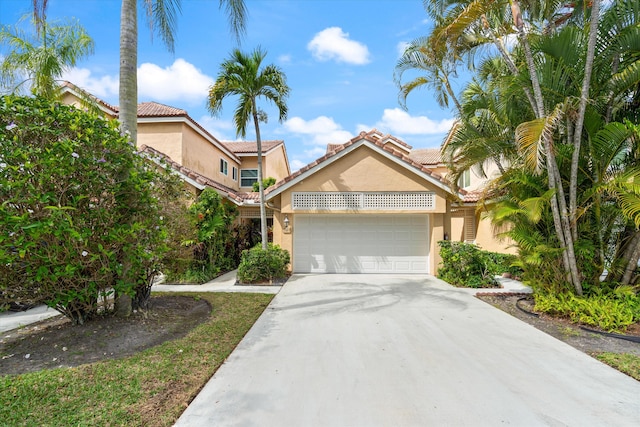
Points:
(361, 244)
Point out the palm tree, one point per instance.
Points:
(162, 16)
(243, 75)
(576, 81)
(40, 60)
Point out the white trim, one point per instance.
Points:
(370, 201)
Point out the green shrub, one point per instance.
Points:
(203, 244)
(611, 312)
(79, 218)
(464, 264)
(259, 265)
(502, 263)
(266, 183)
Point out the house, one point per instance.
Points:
(200, 158)
(372, 205)
(369, 205)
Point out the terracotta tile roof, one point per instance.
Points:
(155, 109)
(471, 196)
(249, 147)
(378, 136)
(427, 156)
(373, 136)
(332, 147)
(199, 178)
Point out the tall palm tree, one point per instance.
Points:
(40, 60)
(243, 75)
(162, 16)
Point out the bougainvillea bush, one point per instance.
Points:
(79, 217)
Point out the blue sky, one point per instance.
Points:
(338, 56)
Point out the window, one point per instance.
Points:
(465, 179)
(224, 167)
(248, 177)
(234, 173)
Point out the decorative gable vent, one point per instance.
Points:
(364, 200)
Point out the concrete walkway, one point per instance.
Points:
(377, 350)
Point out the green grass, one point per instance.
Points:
(627, 363)
(151, 388)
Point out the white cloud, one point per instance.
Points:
(102, 87)
(401, 47)
(397, 121)
(296, 164)
(181, 81)
(322, 130)
(284, 59)
(333, 43)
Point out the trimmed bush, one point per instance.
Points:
(259, 265)
(79, 217)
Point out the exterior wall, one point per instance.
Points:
(354, 173)
(488, 238)
(274, 164)
(277, 164)
(203, 157)
(164, 137)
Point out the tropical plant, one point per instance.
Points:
(266, 183)
(243, 75)
(556, 110)
(37, 61)
(79, 219)
(162, 16)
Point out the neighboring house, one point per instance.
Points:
(200, 158)
(370, 205)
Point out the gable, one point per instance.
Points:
(364, 169)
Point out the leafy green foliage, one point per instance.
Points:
(266, 183)
(208, 241)
(464, 264)
(79, 219)
(611, 312)
(259, 265)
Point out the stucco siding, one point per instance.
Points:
(164, 137)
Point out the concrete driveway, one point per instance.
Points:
(371, 350)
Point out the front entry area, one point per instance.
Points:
(360, 243)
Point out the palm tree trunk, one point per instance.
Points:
(558, 203)
(263, 211)
(577, 134)
(128, 92)
(631, 257)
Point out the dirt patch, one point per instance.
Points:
(56, 342)
(563, 329)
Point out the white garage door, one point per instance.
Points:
(361, 244)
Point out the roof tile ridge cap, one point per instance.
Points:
(164, 105)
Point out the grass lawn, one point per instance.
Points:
(627, 363)
(151, 388)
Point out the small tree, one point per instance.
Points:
(79, 219)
